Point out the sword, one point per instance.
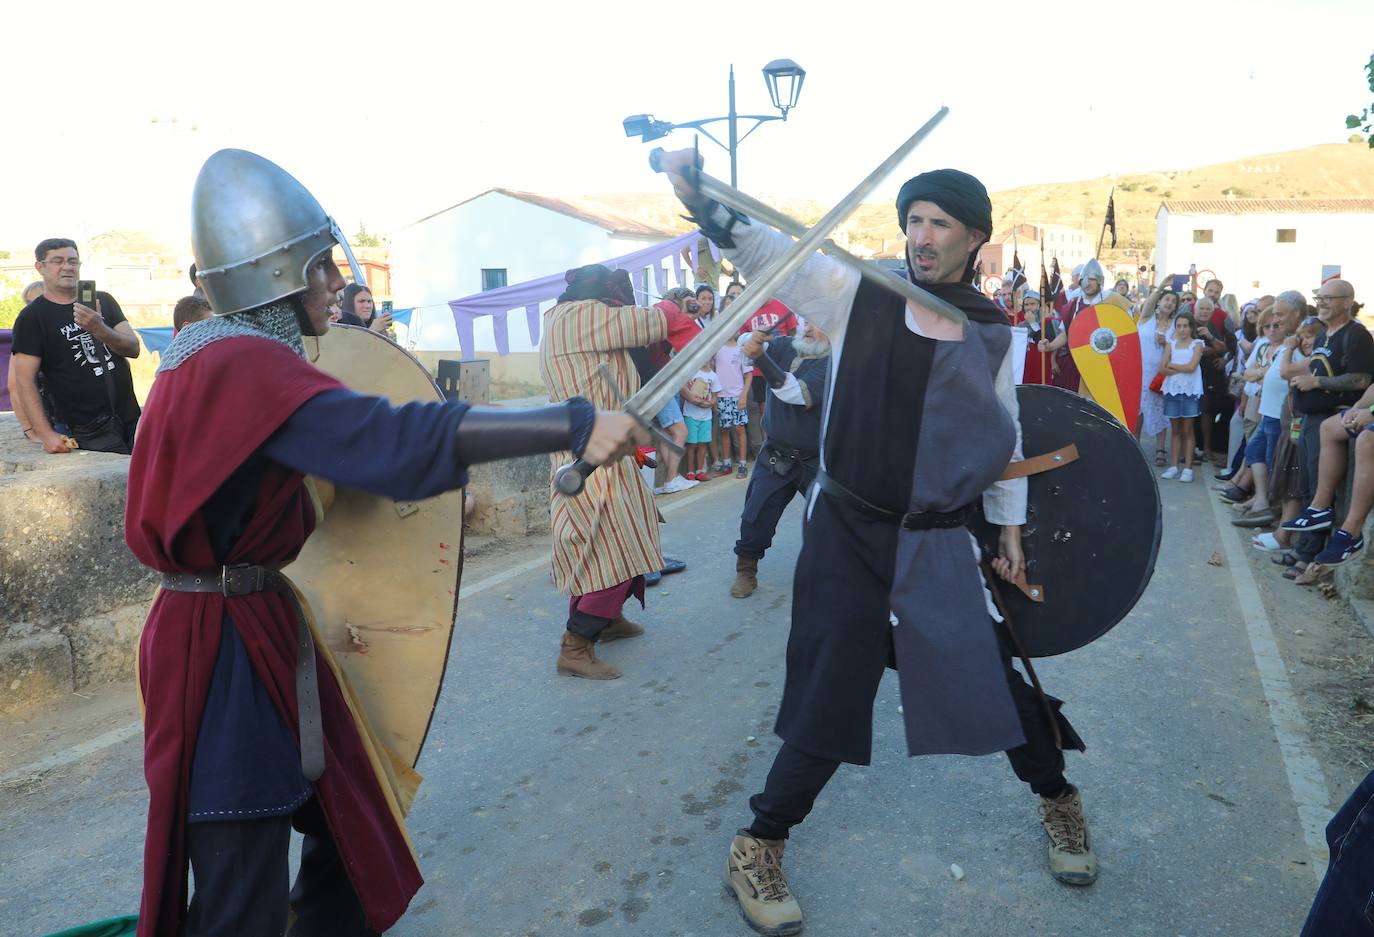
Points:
(652, 397)
(733, 198)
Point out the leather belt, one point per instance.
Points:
(240, 579)
(911, 520)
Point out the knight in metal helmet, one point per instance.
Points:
(1067, 305)
(247, 724)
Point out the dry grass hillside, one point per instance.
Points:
(1327, 171)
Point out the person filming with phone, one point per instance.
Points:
(79, 339)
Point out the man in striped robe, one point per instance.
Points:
(606, 539)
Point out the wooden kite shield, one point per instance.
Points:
(1106, 348)
(382, 576)
(1093, 524)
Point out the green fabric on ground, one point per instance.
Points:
(114, 927)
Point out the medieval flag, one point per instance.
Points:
(1056, 284)
(1018, 272)
(1046, 296)
(1110, 221)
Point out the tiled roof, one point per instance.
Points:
(601, 217)
(1267, 206)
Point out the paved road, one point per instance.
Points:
(562, 807)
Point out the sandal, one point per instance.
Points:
(1285, 558)
(1295, 571)
(1161, 458)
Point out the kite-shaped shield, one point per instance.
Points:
(1092, 527)
(382, 576)
(1106, 347)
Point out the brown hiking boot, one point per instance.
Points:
(754, 870)
(577, 658)
(746, 577)
(1071, 850)
(622, 627)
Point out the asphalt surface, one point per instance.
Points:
(554, 806)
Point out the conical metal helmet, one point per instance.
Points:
(1093, 269)
(254, 231)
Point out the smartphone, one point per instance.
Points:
(85, 293)
(386, 305)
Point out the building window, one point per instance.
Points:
(1287, 236)
(493, 279)
(1202, 235)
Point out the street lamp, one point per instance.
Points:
(784, 79)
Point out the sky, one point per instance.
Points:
(392, 111)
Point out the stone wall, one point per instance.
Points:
(72, 597)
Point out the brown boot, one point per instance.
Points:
(753, 870)
(1071, 847)
(577, 658)
(622, 627)
(746, 577)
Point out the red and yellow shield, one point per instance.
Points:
(1106, 347)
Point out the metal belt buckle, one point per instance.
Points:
(233, 579)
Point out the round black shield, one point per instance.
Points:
(1092, 526)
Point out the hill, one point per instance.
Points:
(1333, 170)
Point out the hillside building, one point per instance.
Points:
(1071, 245)
(1261, 245)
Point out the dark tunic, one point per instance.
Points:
(898, 433)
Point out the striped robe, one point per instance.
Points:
(609, 533)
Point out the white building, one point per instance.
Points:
(501, 238)
(1071, 245)
(1263, 245)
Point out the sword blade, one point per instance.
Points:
(652, 397)
(733, 198)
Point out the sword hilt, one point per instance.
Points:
(570, 479)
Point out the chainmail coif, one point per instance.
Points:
(275, 321)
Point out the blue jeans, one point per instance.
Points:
(1345, 902)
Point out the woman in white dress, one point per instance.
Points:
(1156, 312)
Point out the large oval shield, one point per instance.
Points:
(382, 576)
(1106, 348)
(1092, 526)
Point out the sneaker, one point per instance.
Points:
(1186, 475)
(1071, 852)
(743, 471)
(1339, 548)
(1311, 519)
(677, 483)
(753, 871)
(1170, 472)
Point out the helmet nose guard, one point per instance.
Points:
(255, 230)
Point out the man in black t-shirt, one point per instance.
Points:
(81, 352)
(1341, 366)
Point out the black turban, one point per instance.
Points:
(958, 193)
(598, 282)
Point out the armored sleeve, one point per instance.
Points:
(822, 291)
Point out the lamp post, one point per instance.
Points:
(784, 79)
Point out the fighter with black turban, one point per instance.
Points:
(888, 574)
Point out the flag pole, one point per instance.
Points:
(1103, 234)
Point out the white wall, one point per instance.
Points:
(442, 259)
(1245, 254)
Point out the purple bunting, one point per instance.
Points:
(532, 323)
(500, 328)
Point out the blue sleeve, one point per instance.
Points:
(405, 453)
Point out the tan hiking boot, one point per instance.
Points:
(577, 658)
(622, 627)
(746, 577)
(1071, 849)
(754, 870)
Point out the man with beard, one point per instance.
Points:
(795, 371)
(248, 729)
(888, 573)
(1067, 305)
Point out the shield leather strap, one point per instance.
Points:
(243, 579)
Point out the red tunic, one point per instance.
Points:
(1068, 371)
(202, 421)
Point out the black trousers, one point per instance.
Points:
(767, 497)
(797, 778)
(241, 876)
